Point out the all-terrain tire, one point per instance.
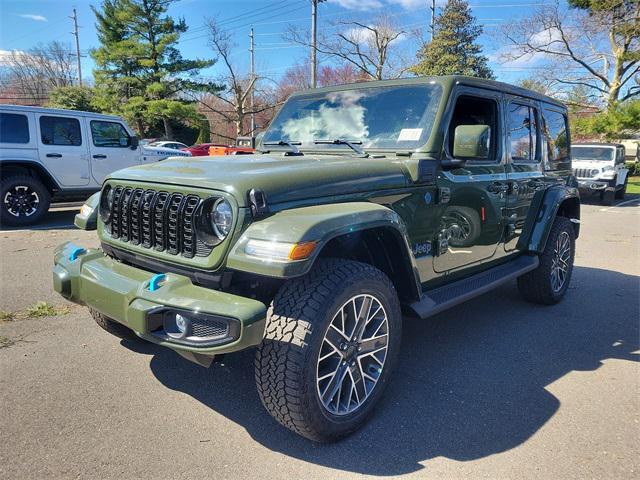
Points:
(622, 191)
(113, 327)
(35, 189)
(537, 285)
(297, 320)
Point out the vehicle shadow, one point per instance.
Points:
(471, 382)
(57, 218)
(594, 199)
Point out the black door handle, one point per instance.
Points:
(99, 155)
(54, 155)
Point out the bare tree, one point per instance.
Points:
(232, 103)
(371, 48)
(596, 50)
(34, 73)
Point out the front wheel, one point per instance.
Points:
(548, 283)
(330, 345)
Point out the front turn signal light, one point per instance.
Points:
(280, 251)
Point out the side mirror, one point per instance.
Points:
(471, 142)
(134, 142)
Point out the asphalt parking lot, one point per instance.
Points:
(494, 388)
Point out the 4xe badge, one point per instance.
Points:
(421, 249)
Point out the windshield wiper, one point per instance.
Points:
(285, 143)
(349, 143)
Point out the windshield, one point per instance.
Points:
(391, 118)
(605, 154)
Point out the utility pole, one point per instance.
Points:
(314, 61)
(253, 84)
(75, 33)
(433, 17)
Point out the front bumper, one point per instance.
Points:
(589, 185)
(122, 293)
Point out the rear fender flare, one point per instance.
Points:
(559, 199)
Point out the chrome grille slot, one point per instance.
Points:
(159, 220)
(583, 172)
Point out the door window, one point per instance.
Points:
(60, 131)
(14, 128)
(556, 133)
(471, 110)
(109, 134)
(523, 133)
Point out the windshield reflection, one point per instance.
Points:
(394, 117)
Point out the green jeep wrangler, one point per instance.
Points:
(365, 203)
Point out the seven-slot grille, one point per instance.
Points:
(583, 172)
(159, 220)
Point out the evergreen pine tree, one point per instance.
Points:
(453, 50)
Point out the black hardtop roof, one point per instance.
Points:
(444, 80)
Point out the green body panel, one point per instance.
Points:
(319, 224)
(89, 222)
(121, 292)
(537, 227)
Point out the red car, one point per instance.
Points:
(201, 149)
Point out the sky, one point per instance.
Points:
(26, 23)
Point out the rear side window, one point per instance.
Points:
(556, 133)
(60, 131)
(109, 134)
(523, 133)
(14, 128)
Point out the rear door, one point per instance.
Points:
(62, 146)
(473, 195)
(524, 164)
(110, 148)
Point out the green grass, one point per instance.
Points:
(6, 316)
(5, 342)
(44, 309)
(634, 185)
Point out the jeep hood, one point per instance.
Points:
(282, 178)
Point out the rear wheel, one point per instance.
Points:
(548, 283)
(24, 200)
(331, 342)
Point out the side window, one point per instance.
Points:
(555, 130)
(523, 133)
(60, 131)
(14, 128)
(470, 110)
(109, 134)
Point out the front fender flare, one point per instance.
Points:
(319, 223)
(543, 212)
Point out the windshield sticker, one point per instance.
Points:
(410, 135)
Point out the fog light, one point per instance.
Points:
(181, 323)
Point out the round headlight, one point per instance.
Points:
(106, 203)
(595, 172)
(221, 218)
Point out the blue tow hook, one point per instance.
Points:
(75, 253)
(154, 283)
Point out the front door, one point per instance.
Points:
(110, 149)
(524, 166)
(473, 196)
(62, 147)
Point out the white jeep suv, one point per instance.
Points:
(600, 169)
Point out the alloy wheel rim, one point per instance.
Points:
(352, 356)
(560, 262)
(21, 200)
(460, 228)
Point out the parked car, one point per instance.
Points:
(600, 169)
(168, 144)
(229, 150)
(49, 155)
(363, 201)
(201, 149)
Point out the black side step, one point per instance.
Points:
(447, 296)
